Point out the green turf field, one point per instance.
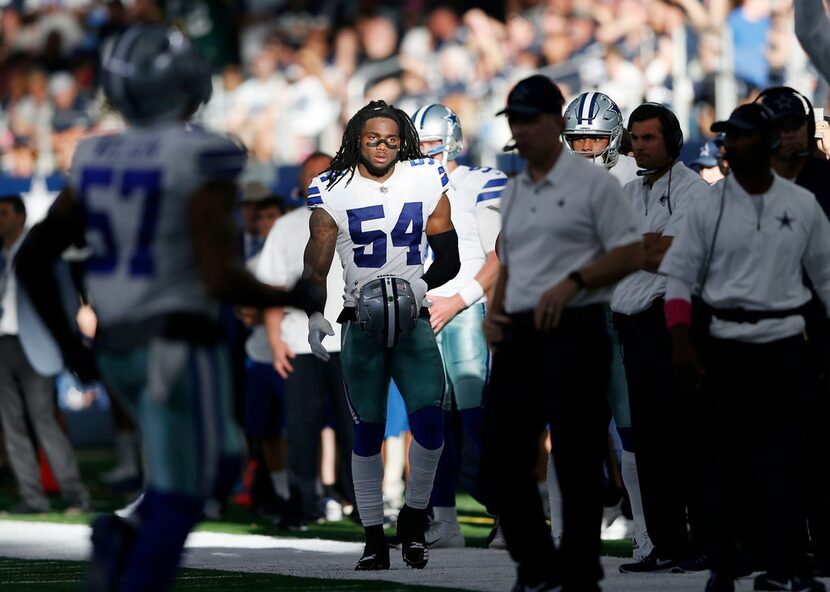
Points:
(17, 575)
(32, 575)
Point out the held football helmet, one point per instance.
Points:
(595, 114)
(386, 310)
(153, 74)
(438, 122)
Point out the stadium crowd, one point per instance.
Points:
(289, 75)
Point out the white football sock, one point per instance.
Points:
(422, 466)
(555, 497)
(445, 514)
(280, 481)
(367, 474)
(628, 468)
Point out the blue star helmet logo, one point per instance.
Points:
(453, 119)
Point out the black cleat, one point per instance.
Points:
(692, 565)
(373, 559)
(717, 583)
(795, 584)
(112, 540)
(412, 525)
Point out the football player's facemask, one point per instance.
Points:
(438, 122)
(153, 74)
(387, 310)
(595, 115)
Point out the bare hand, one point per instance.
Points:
(249, 316)
(282, 358)
(552, 304)
(493, 326)
(443, 309)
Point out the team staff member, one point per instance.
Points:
(745, 248)
(567, 235)
(661, 198)
(797, 161)
(309, 382)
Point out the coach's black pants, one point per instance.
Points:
(756, 398)
(664, 423)
(307, 391)
(561, 378)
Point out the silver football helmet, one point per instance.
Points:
(386, 310)
(438, 122)
(595, 114)
(153, 74)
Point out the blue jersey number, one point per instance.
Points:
(406, 233)
(135, 184)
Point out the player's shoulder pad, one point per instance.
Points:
(430, 167)
(216, 156)
(318, 189)
(488, 182)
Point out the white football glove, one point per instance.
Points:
(419, 289)
(318, 327)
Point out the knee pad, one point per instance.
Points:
(627, 439)
(368, 438)
(428, 427)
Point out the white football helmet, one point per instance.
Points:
(438, 122)
(595, 114)
(153, 74)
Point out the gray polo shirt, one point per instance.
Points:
(571, 218)
(660, 207)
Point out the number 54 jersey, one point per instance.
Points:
(135, 188)
(381, 226)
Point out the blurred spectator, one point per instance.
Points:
(26, 390)
(71, 118)
(288, 79)
(750, 25)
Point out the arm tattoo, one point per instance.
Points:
(319, 251)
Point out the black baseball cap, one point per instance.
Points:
(785, 101)
(751, 117)
(533, 96)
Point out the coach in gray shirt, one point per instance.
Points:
(567, 236)
(662, 426)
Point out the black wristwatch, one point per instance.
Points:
(577, 279)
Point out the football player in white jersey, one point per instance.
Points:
(594, 129)
(155, 205)
(378, 206)
(457, 310)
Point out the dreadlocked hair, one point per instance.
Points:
(348, 156)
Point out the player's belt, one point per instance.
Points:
(349, 314)
(741, 315)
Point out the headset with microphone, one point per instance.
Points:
(779, 101)
(669, 126)
(672, 137)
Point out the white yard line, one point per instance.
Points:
(470, 569)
